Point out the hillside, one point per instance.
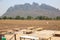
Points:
(33, 10)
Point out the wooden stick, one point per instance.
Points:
(15, 36)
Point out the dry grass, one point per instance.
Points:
(21, 24)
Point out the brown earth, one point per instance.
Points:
(21, 24)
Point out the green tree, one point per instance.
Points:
(5, 17)
(29, 17)
(22, 18)
(17, 17)
(43, 18)
(47, 18)
(58, 18)
(0, 18)
(39, 17)
(10, 18)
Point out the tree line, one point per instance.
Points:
(31, 18)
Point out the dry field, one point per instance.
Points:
(8, 25)
(46, 24)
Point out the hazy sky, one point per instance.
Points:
(5, 4)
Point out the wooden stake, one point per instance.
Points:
(15, 36)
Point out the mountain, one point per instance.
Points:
(33, 10)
